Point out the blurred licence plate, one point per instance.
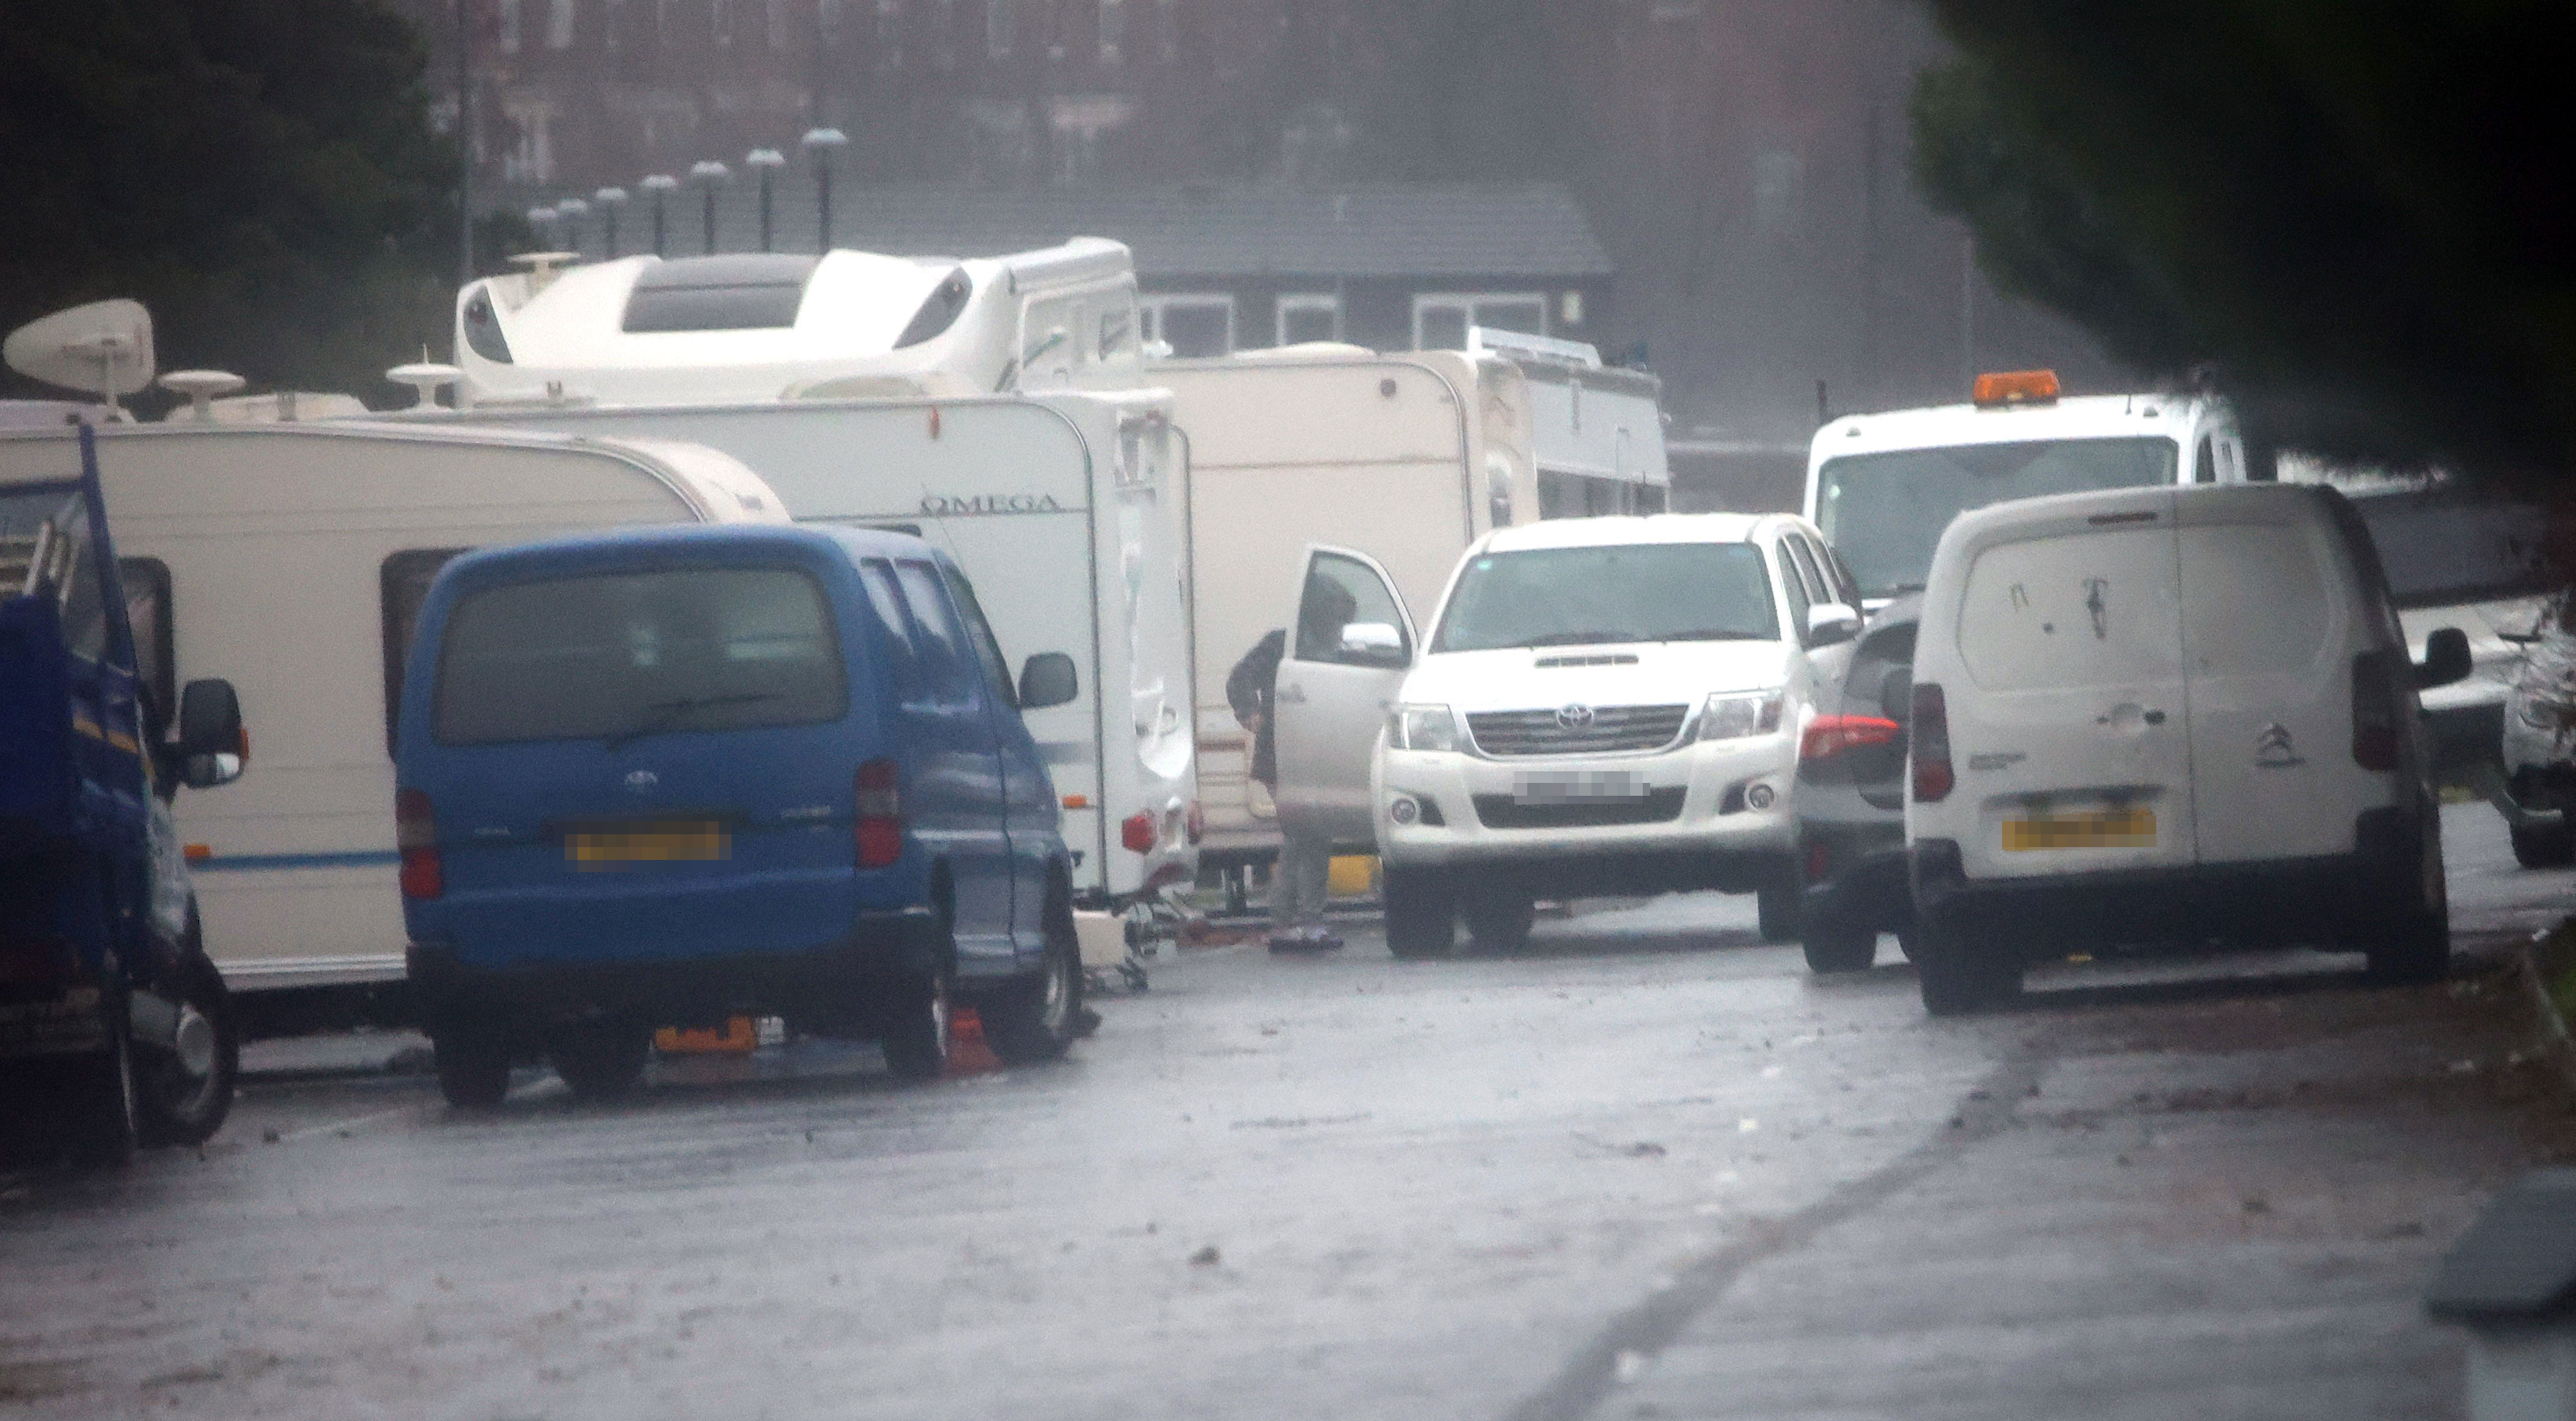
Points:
(1577, 786)
(682, 840)
(2110, 829)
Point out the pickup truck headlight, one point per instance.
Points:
(1421, 727)
(1735, 715)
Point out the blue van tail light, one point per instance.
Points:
(416, 835)
(1136, 833)
(878, 830)
(1933, 776)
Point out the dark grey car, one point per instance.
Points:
(1851, 799)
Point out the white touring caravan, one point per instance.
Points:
(1406, 458)
(1060, 509)
(292, 556)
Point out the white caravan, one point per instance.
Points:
(1883, 486)
(291, 557)
(1061, 510)
(1406, 458)
(769, 326)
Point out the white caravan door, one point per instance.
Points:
(1347, 652)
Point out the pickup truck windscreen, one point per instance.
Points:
(1884, 512)
(1610, 593)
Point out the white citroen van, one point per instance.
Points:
(1603, 706)
(2168, 715)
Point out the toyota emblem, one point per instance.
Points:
(642, 781)
(1577, 717)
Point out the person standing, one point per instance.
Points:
(1299, 881)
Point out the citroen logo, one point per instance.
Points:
(642, 781)
(2273, 748)
(1575, 717)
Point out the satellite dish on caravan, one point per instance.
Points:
(104, 347)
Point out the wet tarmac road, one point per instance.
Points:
(1647, 1168)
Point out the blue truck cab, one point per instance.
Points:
(662, 777)
(115, 1030)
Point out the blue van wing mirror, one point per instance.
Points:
(1048, 679)
(210, 719)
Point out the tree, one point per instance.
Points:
(2355, 212)
(261, 174)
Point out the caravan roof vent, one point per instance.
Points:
(742, 292)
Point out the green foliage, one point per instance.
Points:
(2356, 211)
(259, 173)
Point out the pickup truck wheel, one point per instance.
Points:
(1839, 947)
(2546, 847)
(1035, 1019)
(1499, 918)
(601, 1060)
(1421, 913)
(98, 1104)
(1958, 977)
(473, 1066)
(182, 1097)
(914, 1030)
(1777, 909)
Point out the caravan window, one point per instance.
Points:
(402, 583)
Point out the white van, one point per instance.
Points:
(2167, 715)
(1604, 705)
(291, 557)
(1883, 486)
(1062, 510)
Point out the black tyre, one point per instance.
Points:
(2412, 945)
(183, 1096)
(1840, 947)
(473, 1065)
(1778, 909)
(1905, 943)
(1421, 912)
(2544, 847)
(97, 1093)
(1960, 975)
(913, 1030)
(1499, 917)
(601, 1060)
(1035, 1019)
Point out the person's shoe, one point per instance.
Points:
(1289, 940)
(1324, 940)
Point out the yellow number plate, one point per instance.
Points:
(2115, 829)
(694, 840)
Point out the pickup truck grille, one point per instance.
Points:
(1612, 729)
(1501, 811)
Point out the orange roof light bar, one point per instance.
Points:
(1998, 388)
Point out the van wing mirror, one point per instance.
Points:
(1048, 679)
(1896, 695)
(210, 720)
(1373, 643)
(1832, 624)
(208, 771)
(2446, 659)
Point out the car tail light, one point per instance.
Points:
(878, 829)
(2376, 710)
(1136, 833)
(416, 835)
(1830, 735)
(1933, 777)
(1197, 822)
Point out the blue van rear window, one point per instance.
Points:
(612, 655)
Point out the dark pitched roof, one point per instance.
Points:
(1358, 230)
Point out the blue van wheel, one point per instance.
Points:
(600, 1060)
(914, 1029)
(1036, 1018)
(473, 1065)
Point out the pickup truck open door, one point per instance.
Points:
(1347, 654)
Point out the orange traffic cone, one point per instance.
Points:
(968, 1053)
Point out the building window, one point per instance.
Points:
(1309, 316)
(1001, 26)
(509, 26)
(558, 24)
(720, 21)
(1192, 324)
(1440, 320)
(890, 34)
(1167, 29)
(1113, 30)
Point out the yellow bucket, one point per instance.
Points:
(1352, 876)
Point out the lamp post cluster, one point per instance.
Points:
(560, 224)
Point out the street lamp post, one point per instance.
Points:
(709, 175)
(766, 162)
(572, 210)
(822, 143)
(608, 200)
(659, 184)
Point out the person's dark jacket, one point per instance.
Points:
(1251, 689)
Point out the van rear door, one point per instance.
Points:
(2073, 734)
(2268, 639)
(1347, 653)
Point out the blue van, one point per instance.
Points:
(662, 777)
